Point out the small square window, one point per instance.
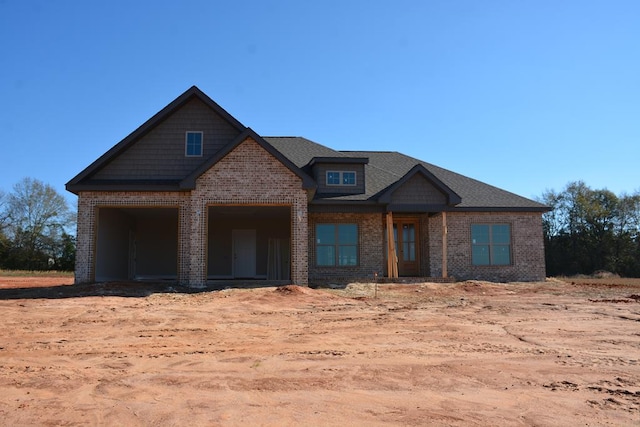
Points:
(341, 178)
(491, 244)
(193, 144)
(348, 178)
(333, 178)
(336, 245)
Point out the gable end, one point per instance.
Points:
(419, 187)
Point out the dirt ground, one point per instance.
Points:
(469, 353)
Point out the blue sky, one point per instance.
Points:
(523, 95)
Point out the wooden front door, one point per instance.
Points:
(405, 234)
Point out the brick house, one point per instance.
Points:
(194, 196)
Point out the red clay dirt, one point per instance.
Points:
(469, 353)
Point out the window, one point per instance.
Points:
(336, 245)
(193, 144)
(491, 244)
(341, 178)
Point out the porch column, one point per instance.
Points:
(392, 258)
(444, 245)
(197, 244)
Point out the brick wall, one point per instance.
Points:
(90, 202)
(527, 246)
(248, 175)
(370, 247)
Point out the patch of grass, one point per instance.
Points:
(26, 273)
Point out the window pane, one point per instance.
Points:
(348, 234)
(480, 254)
(333, 178)
(194, 144)
(348, 255)
(325, 234)
(501, 255)
(501, 233)
(326, 255)
(479, 234)
(408, 233)
(348, 178)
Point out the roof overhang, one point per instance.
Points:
(339, 160)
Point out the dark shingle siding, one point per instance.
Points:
(160, 154)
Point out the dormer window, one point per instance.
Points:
(347, 178)
(193, 144)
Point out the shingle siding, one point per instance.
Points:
(418, 190)
(160, 154)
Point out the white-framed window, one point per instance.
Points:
(336, 245)
(347, 178)
(491, 244)
(193, 144)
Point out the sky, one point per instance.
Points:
(524, 95)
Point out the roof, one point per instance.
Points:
(386, 168)
(385, 171)
(79, 182)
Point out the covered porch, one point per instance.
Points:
(248, 244)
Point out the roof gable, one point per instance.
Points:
(185, 100)
(419, 170)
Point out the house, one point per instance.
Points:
(193, 195)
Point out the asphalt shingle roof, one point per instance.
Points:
(387, 167)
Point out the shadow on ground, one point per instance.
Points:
(118, 289)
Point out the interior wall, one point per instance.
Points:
(137, 243)
(220, 244)
(112, 246)
(157, 247)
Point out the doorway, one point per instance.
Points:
(244, 253)
(248, 242)
(405, 233)
(136, 243)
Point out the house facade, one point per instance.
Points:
(194, 196)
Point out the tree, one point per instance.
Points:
(38, 218)
(590, 230)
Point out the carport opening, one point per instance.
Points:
(249, 242)
(136, 244)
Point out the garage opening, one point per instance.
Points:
(249, 242)
(136, 244)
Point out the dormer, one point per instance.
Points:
(338, 176)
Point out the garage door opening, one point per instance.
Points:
(249, 242)
(136, 244)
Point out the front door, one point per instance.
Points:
(405, 233)
(244, 253)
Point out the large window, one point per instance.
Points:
(341, 178)
(336, 245)
(491, 244)
(193, 144)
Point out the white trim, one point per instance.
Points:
(340, 178)
(186, 139)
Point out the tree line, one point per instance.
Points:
(586, 231)
(36, 226)
(591, 230)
